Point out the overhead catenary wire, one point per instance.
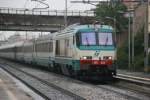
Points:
(41, 2)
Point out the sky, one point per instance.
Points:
(53, 5)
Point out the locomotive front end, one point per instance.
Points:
(96, 51)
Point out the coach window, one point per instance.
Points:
(50, 46)
(45, 47)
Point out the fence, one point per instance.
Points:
(48, 12)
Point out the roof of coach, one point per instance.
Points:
(10, 45)
(45, 37)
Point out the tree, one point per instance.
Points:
(112, 10)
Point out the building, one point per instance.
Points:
(131, 4)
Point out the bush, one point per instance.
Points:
(138, 54)
(139, 62)
(122, 57)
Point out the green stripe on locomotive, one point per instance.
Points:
(74, 63)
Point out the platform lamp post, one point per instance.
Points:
(129, 41)
(146, 67)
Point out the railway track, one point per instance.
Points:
(134, 79)
(17, 73)
(87, 90)
(133, 83)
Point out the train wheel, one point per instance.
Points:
(71, 71)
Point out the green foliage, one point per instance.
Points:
(122, 56)
(105, 10)
(139, 63)
(138, 52)
(139, 43)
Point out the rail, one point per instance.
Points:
(133, 79)
(13, 70)
(23, 11)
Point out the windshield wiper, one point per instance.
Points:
(106, 41)
(87, 41)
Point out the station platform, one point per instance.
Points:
(141, 75)
(12, 89)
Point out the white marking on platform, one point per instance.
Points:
(10, 94)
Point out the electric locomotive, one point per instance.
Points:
(86, 50)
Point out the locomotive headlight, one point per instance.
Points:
(109, 57)
(84, 57)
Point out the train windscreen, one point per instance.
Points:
(88, 39)
(105, 39)
(92, 38)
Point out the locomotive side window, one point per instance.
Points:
(57, 47)
(66, 48)
(78, 39)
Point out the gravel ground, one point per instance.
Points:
(126, 91)
(88, 91)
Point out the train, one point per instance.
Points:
(79, 50)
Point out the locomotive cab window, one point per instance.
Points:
(88, 39)
(105, 39)
(94, 39)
